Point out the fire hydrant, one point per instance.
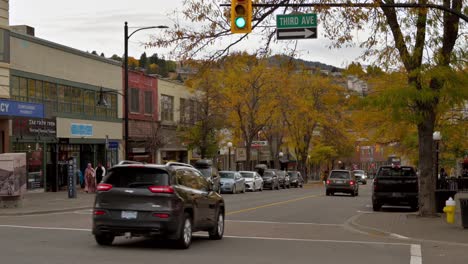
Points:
(449, 210)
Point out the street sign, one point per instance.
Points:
(296, 33)
(258, 144)
(296, 26)
(296, 21)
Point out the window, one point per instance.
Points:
(187, 178)
(184, 111)
(90, 102)
(23, 89)
(14, 86)
(167, 108)
(149, 102)
(4, 45)
(136, 177)
(134, 100)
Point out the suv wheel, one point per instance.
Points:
(376, 206)
(185, 235)
(104, 239)
(218, 229)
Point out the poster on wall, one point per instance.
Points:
(12, 174)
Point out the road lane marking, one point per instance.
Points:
(398, 236)
(47, 228)
(238, 237)
(416, 255)
(272, 204)
(282, 223)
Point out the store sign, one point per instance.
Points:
(14, 108)
(34, 127)
(81, 130)
(113, 145)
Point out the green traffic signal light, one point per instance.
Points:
(240, 22)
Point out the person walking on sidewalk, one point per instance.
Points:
(90, 178)
(100, 172)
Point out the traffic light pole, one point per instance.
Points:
(368, 5)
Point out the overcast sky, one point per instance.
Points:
(98, 25)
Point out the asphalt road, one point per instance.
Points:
(286, 226)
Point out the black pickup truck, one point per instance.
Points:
(395, 185)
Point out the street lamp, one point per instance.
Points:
(436, 136)
(229, 145)
(126, 91)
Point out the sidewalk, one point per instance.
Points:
(50, 202)
(412, 226)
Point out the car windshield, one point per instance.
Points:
(340, 175)
(206, 172)
(131, 177)
(269, 174)
(396, 171)
(292, 174)
(247, 174)
(227, 175)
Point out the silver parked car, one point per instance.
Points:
(253, 181)
(232, 181)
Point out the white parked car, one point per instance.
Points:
(253, 180)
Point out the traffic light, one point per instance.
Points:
(241, 16)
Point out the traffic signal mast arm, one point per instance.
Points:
(368, 5)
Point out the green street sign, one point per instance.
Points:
(296, 21)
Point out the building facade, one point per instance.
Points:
(176, 104)
(67, 83)
(144, 136)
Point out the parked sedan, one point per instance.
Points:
(253, 181)
(232, 181)
(270, 179)
(296, 179)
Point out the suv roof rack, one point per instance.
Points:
(125, 162)
(180, 164)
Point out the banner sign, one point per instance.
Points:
(14, 108)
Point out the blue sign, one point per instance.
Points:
(113, 145)
(81, 130)
(14, 108)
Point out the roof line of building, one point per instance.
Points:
(63, 48)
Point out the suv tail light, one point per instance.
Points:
(161, 215)
(161, 189)
(104, 187)
(99, 212)
(375, 184)
(328, 181)
(351, 183)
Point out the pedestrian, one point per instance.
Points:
(90, 178)
(443, 177)
(81, 178)
(100, 172)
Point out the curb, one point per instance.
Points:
(45, 211)
(352, 225)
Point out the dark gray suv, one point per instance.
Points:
(171, 201)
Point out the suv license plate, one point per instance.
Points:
(339, 181)
(397, 195)
(129, 214)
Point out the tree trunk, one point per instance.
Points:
(426, 164)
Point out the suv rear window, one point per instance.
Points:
(396, 171)
(131, 177)
(206, 172)
(340, 175)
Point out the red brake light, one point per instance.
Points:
(99, 212)
(159, 215)
(104, 187)
(328, 181)
(351, 183)
(161, 189)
